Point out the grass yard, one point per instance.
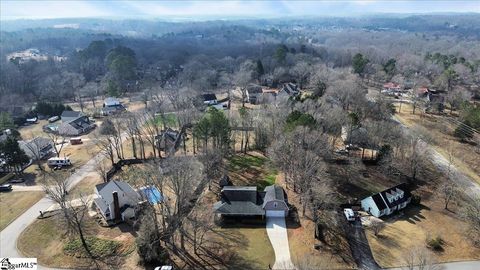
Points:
(87, 185)
(252, 246)
(412, 229)
(13, 204)
(441, 134)
(251, 169)
(238, 246)
(170, 120)
(31, 131)
(45, 239)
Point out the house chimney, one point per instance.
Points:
(116, 206)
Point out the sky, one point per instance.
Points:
(21, 9)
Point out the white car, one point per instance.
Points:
(349, 214)
(165, 267)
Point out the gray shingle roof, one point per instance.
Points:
(254, 89)
(100, 203)
(272, 193)
(245, 208)
(71, 114)
(123, 186)
(246, 200)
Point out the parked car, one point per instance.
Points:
(352, 147)
(349, 214)
(53, 119)
(5, 188)
(342, 151)
(164, 267)
(74, 141)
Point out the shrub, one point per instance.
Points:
(435, 243)
(416, 199)
(99, 247)
(463, 132)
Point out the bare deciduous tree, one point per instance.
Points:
(74, 212)
(58, 142)
(419, 258)
(471, 214)
(377, 226)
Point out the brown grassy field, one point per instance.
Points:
(13, 204)
(412, 229)
(441, 136)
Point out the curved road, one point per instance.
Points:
(9, 235)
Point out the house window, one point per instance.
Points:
(275, 204)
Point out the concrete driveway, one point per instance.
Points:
(277, 233)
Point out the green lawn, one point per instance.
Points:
(239, 162)
(252, 170)
(252, 248)
(170, 120)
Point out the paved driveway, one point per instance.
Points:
(277, 233)
(359, 246)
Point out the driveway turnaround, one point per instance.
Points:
(277, 233)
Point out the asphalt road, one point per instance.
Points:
(9, 235)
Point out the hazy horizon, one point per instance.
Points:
(205, 10)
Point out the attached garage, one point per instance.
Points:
(276, 213)
(274, 202)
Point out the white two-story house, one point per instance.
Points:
(388, 201)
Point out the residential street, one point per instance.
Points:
(471, 265)
(277, 233)
(9, 236)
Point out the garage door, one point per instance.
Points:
(275, 213)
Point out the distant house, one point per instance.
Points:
(116, 200)
(246, 202)
(111, 106)
(392, 87)
(254, 93)
(37, 148)
(111, 102)
(422, 91)
(76, 126)
(167, 138)
(290, 89)
(387, 201)
(68, 116)
(209, 99)
(435, 101)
